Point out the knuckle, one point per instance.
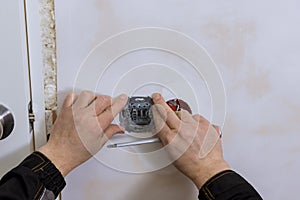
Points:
(70, 95)
(104, 97)
(200, 118)
(104, 100)
(197, 117)
(86, 93)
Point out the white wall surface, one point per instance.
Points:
(255, 45)
(14, 83)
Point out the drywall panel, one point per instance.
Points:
(14, 83)
(255, 46)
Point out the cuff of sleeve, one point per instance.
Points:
(212, 187)
(225, 184)
(46, 170)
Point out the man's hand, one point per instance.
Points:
(82, 128)
(191, 141)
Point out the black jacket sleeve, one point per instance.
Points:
(34, 178)
(228, 185)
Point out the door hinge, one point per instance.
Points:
(31, 117)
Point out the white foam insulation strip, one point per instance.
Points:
(48, 34)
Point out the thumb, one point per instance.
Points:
(112, 130)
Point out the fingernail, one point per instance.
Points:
(156, 97)
(123, 96)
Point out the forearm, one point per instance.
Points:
(34, 177)
(228, 185)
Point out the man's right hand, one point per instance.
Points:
(191, 141)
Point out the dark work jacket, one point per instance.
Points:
(37, 178)
(228, 185)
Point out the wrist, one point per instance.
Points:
(58, 159)
(207, 171)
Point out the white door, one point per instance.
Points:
(14, 83)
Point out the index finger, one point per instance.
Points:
(172, 119)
